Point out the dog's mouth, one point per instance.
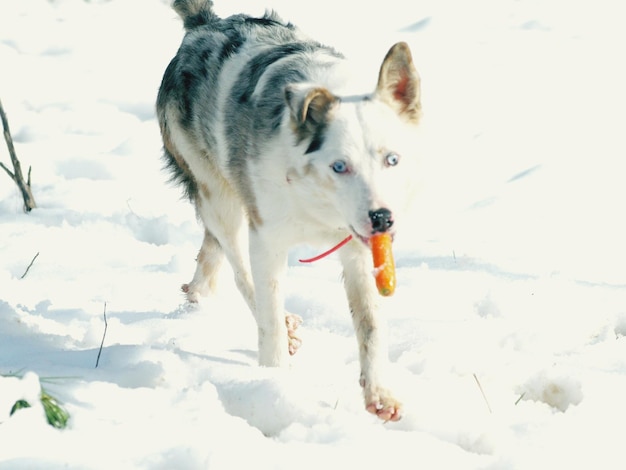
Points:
(364, 239)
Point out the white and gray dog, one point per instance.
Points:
(273, 145)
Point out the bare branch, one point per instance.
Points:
(483, 393)
(11, 175)
(29, 266)
(106, 325)
(16, 176)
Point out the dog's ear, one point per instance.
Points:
(311, 109)
(399, 83)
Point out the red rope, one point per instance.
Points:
(326, 253)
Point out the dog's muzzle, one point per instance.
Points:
(381, 220)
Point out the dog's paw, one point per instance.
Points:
(194, 291)
(293, 322)
(379, 402)
(190, 293)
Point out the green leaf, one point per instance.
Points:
(19, 404)
(55, 414)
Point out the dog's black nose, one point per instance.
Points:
(381, 220)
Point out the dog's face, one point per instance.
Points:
(358, 163)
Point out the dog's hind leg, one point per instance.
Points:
(225, 224)
(226, 230)
(208, 264)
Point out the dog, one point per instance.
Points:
(274, 147)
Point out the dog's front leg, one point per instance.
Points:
(371, 331)
(269, 260)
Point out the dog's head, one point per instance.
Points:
(358, 151)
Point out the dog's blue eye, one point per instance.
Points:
(340, 166)
(392, 159)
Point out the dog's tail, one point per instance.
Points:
(195, 12)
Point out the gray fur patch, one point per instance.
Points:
(256, 107)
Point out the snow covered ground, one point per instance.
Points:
(512, 278)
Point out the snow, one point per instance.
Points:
(507, 330)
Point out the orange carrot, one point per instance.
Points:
(384, 266)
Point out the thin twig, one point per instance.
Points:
(29, 266)
(16, 175)
(103, 336)
(11, 175)
(130, 208)
(483, 393)
(520, 398)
